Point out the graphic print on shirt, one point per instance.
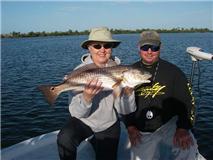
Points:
(152, 91)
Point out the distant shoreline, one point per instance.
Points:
(114, 31)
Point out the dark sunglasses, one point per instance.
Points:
(106, 45)
(152, 47)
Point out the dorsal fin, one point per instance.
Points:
(81, 69)
(86, 67)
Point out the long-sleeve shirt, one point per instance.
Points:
(168, 95)
(101, 113)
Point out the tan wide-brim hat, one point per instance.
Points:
(101, 34)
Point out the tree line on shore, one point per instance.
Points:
(114, 31)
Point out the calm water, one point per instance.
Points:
(29, 62)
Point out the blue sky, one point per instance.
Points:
(52, 16)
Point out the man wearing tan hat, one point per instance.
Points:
(160, 127)
(94, 112)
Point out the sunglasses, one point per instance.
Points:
(105, 45)
(152, 47)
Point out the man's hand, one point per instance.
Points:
(182, 139)
(134, 135)
(92, 88)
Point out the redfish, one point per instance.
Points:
(111, 77)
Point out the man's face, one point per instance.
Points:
(149, 54)
(100, 52)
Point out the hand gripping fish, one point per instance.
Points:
(111, 77)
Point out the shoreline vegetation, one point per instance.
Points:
(114, 31)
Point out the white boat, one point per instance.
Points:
(44, 147)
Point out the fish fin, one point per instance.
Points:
(116, 88)
(50, 92)
(81, 69)
(77, 90)
(118, 82)
(117, 91)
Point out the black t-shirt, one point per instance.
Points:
(166, 96)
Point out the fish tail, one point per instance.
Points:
(50, 92)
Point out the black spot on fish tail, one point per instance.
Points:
(50, 93)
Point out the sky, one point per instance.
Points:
(49, 16)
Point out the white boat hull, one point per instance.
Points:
(44, 147)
